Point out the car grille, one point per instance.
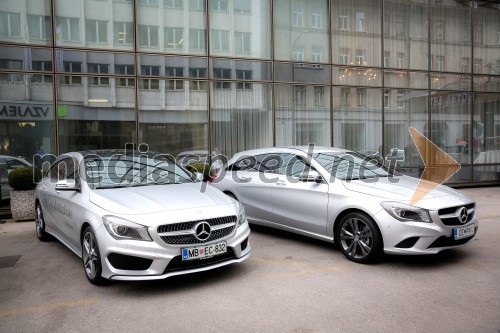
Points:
(444, 241)
(177, 264)
(169, 233)
(450, 216)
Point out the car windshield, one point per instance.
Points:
(350, 165)
(121, 170)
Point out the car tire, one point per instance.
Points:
(359, 238)
(40, 224)
(91, 257)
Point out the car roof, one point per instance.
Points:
(291, 149)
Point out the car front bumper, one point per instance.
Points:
(415, 238)
(156, 260)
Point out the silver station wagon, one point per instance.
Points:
(138, 216)
(341, 196)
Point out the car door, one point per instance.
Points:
(249, 182)
(299, 204)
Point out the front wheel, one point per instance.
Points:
(91, 257)
(359, 238)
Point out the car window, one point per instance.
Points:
(258, 163)
(292, 165)
(64, 169)
(13, 163)
(350, 165)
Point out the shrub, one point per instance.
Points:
(22, 179)
(202, 168)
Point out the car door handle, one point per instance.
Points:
(280, 183)
(245, 179)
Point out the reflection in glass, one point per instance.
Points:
(27, 114)
(99, 117)
(357, 119)
(302, 115)
(241, 117)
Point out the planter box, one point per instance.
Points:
(22, 205)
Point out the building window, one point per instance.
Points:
(10, 24)
(360, 57)
(177, 4)
(316, 53)
(242, 42)
(148, 35)
(198, 73)
(96, 31)
(298, 17)
(243, 75)
(438, 64)
(242, 6)
(298, 53)
(319, 96)
(361, 96)
(478, 34)
(400, 99)
(153, 3)
(465, 65)
(196, 39)
(478, 66)
(197, 5)
(316, 18)
(299, 92)
(360, 22)
(124, 70)
(150, 84)
(43, 66)
(387, 59)
(11, 65)
(344, 56)
(386, 26)
(439, 30)
(343, 23)
(38, 27)
(74, 67)
(220, 40)
(498, 37)
(400, 59)
(219, 5)
(70, 28)
(466, 33)
(400, 26)
(174, 37)
(175, 72)
(123, 33)
(496, 69)
(345, 97)
(98, 69)
(387, 98)
(222, 73)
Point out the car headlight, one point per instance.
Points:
(121, 229)
(406, 213)
(241, 215)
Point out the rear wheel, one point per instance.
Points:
(91, 257)
(359, 238)
(40, 224)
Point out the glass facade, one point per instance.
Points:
(221, 76)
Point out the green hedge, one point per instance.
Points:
(202, 168)
(21, 179)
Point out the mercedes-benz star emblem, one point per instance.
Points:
(464, 215)
(202, 231)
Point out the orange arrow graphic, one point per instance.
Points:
(439, 166)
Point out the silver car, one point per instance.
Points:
(341, 196)
(133, 216)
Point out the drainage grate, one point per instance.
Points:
(9, 261)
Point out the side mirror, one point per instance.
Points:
(67, 185)
(311, 176)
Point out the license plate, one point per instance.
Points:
(459, 233)
(204, 251)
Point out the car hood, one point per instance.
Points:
(158, 198)
(403, 189)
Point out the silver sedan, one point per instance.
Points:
(138, 216)
(340, 196)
